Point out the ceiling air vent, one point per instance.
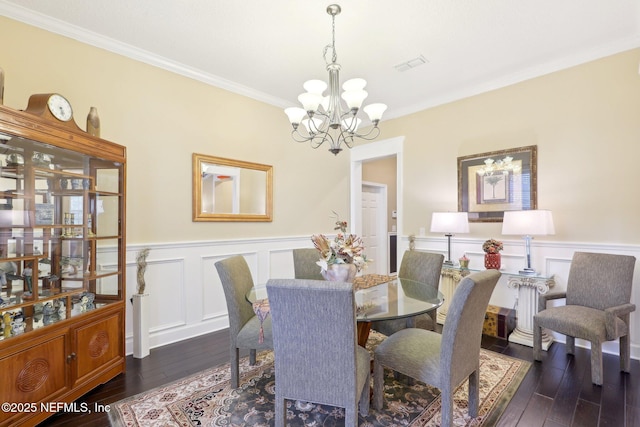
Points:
(412, 63)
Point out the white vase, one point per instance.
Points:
(340, 272)
(140, 325)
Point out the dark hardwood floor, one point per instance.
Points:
(556, 392)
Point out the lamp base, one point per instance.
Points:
(448, 263)
(527, 272)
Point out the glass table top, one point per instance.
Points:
(395, 299)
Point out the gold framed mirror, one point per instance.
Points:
(231, 190)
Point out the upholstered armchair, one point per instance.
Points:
(597, 308)
(423, 267)
(317, 358)
(244, 325)
(304, 264)
(443, 361)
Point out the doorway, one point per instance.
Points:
(392, 147)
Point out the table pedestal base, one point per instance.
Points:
(363, 333)
(528, 290)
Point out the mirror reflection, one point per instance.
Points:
(231, 190)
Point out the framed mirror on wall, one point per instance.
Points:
(231, 190)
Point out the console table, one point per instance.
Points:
(528, 286)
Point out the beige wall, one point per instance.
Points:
(584, 120)
(586, 124)
(162, 118)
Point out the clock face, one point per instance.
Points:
(60, 107)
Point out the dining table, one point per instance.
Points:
(378, 297)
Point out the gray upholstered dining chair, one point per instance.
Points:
(443, 361)
(597, 308)
(423, 267)
(317, 358)
(304, 264)
(244, 325)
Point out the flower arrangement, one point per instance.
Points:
(492, 246)
(343, 249)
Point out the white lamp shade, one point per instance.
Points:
(295, 114)
(449, 222)
(528, 223)
(315, 86)
(354, 98)
(354, 84)
(310, 101)
(374, 111)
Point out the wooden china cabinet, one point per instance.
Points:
(62, 261)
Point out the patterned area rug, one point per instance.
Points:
(206, 399)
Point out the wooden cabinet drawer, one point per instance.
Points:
(38, 373)
(97, 344)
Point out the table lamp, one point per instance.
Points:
(528, 224)
(449, 223)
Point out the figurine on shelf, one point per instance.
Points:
(27, 274)
(6, 268)
(83, 303)
(62, 310)
(6, 318)
(47, 310)
(17, 326)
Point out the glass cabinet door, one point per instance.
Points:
(61, 233)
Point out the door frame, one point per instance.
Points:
(375, 150)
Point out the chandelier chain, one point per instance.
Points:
(332, 46)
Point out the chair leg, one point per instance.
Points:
(446, 397)
(596, 363)
(280, 410)
(570, 343)
(365, 396)
(378, 384)
(537, 341)
(474, 393)
(625, 353)
(351, 416)
(252, 356)
(235, 369)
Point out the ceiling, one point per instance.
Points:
(266, 50)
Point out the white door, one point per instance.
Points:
(374, 226)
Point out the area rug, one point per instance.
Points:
(207, 399)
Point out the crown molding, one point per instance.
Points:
(65, 29)
(74, 32)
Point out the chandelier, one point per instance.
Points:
(324, 118)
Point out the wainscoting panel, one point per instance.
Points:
(188, 299)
